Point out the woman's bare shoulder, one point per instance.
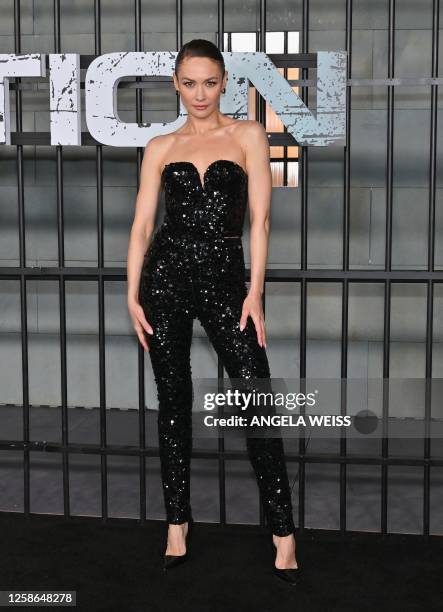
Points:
(247, 131)
(158, 147)
(161, 141)
(244, 124)
(251, 135)
(250, 127)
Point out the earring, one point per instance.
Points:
(224, 90)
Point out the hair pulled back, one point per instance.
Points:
(199, 47)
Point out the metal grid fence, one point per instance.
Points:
(302, 275)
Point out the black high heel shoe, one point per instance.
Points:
(174, 560)
(290, 575)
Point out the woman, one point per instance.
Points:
(194, 267)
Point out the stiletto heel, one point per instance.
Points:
(290, 575)
(174, 560)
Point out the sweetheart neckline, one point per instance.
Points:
(216, 161)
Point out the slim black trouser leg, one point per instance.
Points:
(219, 307)
(168, 309)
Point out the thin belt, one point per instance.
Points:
(168, 231)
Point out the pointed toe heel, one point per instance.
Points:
(170, 561)
(289, 575)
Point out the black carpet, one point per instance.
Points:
(118, 567)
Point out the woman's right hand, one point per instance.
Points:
(139, 322)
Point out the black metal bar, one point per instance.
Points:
(272, 274)
(301, 60)
(157, 82)
(44, 138)
(388, 261)
(101, 291)
(261, 46)
(179, 24)
(345, 284)
(281, 60)
(220, 365)
(221, 25)
(428, 407)
(262, 516)
(62, 289)
(178, 37)
(285, 129)
(140, 355)
(431, 258)
(23, 285)
(221, 461)
(152, 451)
(261, 118)
(303, 169)
(277, 139)
(295, 60)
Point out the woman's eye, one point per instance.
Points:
(211, 83)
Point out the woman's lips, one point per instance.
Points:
(200, 106)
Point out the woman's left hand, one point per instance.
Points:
(252, 306)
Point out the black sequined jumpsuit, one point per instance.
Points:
(195, 267)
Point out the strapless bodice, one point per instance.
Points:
(211, 209)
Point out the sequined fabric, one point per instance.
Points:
(194, 268)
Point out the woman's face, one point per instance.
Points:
(199, 82)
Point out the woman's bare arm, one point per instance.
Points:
(141, 232)
(144, 217)
(259, 198)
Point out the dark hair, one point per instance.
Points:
(199, 47)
